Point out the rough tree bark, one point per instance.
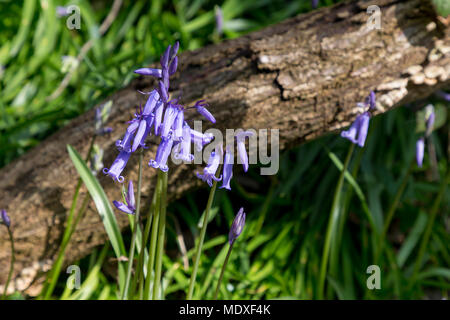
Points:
(302, 76)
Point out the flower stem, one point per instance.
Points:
(125, 293)
(200, 241)
(429, 227)
(392, 209)
(332, 223)
(140, 268)
(153, 239)
(161, 236)
(223, 270)
(11, 268)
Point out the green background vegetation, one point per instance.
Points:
(279, 254)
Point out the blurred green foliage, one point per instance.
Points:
(279, 253)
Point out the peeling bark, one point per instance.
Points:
(303, 77)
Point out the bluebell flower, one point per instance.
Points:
(173, 66)
(169, 119)
(118, 166)
(370, 100)
(4, 218)
(165, 57)
(125, 143)
(163, 152)
(129, 206)
(201, 139)
(151, 103)
(314, 3)
(357, 132)
(227, 168)
(174, 50)
(158, 116)
(149, 72)
(237, 226)
(184, 147)
(429, 119)
(420, 148)
(242, 152)
(420, 144)
(178, 125)
(163, 91)
(200, 106)
(209, 172)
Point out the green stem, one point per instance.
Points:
(429, 227)
(223, 270)
(53, 275)
(153, 239)
(125, 293)
(11, 268)
(201, 240)
(334, 215)
(392, 209)
(140, 268)
(161, 236)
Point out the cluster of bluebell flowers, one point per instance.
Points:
(357, 133)
(209, 172)
(165, 118)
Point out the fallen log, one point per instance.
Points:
(302, 76)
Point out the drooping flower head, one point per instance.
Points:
(242, 152)
(201, 108)
(4, 218)
(129, 206)
(420, 150)
(357, 133)
(201, 139)
(429, 119)
(184, 147)
(118, 166)
(237, 226)
(163, 152)
(227, 168)
(209, 172)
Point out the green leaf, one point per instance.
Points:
(412, 239)
(442, 7)
(101, 202)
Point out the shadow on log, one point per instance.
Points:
(303, 77)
